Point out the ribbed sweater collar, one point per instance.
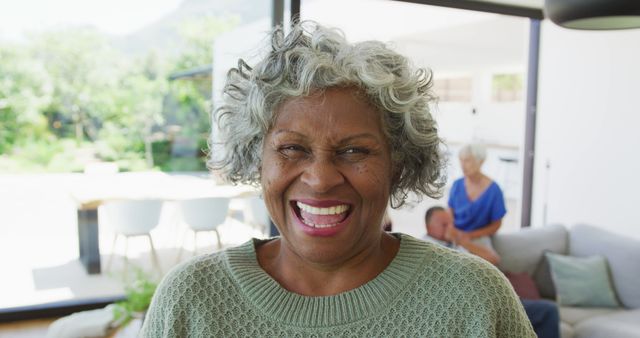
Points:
(290, 308)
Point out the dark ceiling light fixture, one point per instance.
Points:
(594, 14)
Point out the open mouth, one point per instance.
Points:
(321, 217)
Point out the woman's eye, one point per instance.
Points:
(354, 153)
(292, 150)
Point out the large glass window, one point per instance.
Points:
(104, 101)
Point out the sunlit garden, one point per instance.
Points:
(72, 96)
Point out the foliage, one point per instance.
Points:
(198, 35)
(83, 69)
(49, 154)
(37, 153)
(190, 99)
(161, 152)
(24, 94)
(138, 298)
(68, 97)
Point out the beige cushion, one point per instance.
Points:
(566, 330)
(575, 315)
(621, 324)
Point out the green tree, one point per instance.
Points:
(198, 35)
(188, 104)
(25, 90)
(71, 85)
(141, 98)
(84, 70)
(193, 95)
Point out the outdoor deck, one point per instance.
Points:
(39, 242)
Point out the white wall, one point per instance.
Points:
(588, 129)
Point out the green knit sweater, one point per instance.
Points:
(426, 291)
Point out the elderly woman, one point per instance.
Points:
(475, 200)
(332, 132)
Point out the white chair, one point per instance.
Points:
(204, 214)
(256, 214)
(133, 218)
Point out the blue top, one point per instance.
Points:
(472, 215)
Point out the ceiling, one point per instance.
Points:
(444, 39)
(492, 44)
(522, 8)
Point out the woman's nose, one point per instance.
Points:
(322, 175)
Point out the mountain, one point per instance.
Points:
(163, 36)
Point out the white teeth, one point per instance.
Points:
(319, 225)
(334, 210)
(338, 209)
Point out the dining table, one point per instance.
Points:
(97, 189)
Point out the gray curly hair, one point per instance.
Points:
(312, 57)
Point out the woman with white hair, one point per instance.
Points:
(332, 132)
(475, 200)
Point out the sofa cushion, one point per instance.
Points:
(523, 284)
(620, 324)
(622, 254)
(566, 330)
(542, 277)
(522, 250)
(574, 314)
(582, 281)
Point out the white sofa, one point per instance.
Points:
(523, 251)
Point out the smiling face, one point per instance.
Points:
(326, 176)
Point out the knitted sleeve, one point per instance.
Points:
(164, 316)
(173, 307)
(505, 312)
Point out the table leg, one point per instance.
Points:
(88, 239)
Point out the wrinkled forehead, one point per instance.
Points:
(335, 110)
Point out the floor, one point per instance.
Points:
(36, 328)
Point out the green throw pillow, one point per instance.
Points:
(581, 281)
